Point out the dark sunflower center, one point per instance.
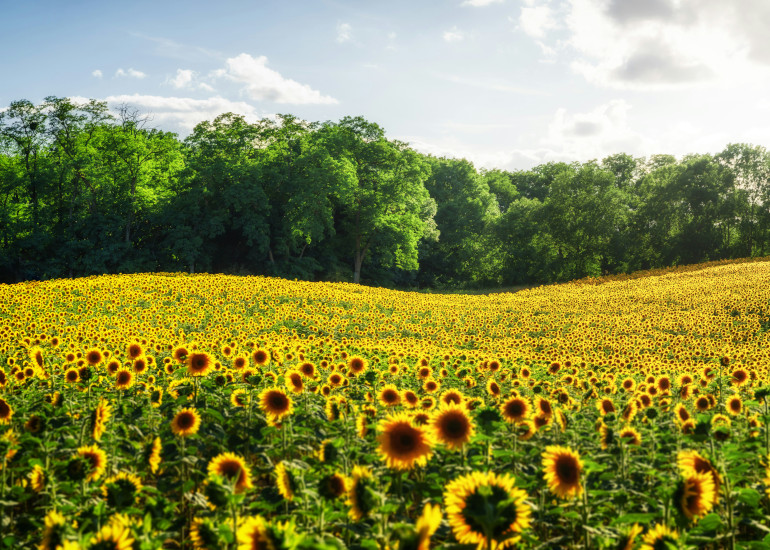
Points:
(124, 378)
(389, 396)
(404, 440)
(515, 409)
(454, 426)
(566, 470)
(277, 402)
(185, 421)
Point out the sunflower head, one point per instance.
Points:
(333, 486)
(563, 468)
(122, 490)
(186, 423)
(204, 535)
(695, 495)
(452, 426)
(361, 496)
(486, 509)
(232, 468)
(402, 444)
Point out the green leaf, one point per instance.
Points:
(635, 518)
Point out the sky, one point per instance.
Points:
(506, 84)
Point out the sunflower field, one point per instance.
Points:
(207, 411)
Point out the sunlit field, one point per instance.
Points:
(177, 411)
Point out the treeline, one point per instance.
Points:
(84, 191)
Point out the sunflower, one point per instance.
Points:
(605, 406)
(739, 377)
(692, 460)
(630, 436)
(450, 397)
(486, 509)
(357, 365)
(233, 468)
(403, 445)
(628, 384)
(543, 407)
(515, 410)
(364, 424)
(37, 478)
(140, 364)
(294, 382)
(735, 405)
(122, 490)
(239, 398)
(493, 388)
(681, 413)
(134, 350)
(99, 418)
(308, 370)
(260, 357)
(563, 468)
(204, 535)
(628, 538)
(54, 531)
(186, 422)
(96, 461)
(240, 362)
(333, 486)
(389, 396)
(431, 385)
(526, 429)
(658, 538)
(695, 494)
(199, 364)
(124, 379)
(255, 533)
(285, 481)
(153, 455)
(452, 426)
(114, 536)
(6, 411)
(71, 375)
(275, 404)
(94, 357)
(34, 424)
(607, 436)
(427, 524)
(361, 497)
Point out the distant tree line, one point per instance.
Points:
(85, 191)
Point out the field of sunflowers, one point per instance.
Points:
(207, 411)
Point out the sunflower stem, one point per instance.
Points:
(586, 534)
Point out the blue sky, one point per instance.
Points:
(504, 83)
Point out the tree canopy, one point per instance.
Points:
(84, 190)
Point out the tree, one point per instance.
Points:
(386, 209)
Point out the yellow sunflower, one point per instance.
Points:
(361, 497)
(96, 459)
(99, 418)
(204, 535)
(452, 426)
(231, 467)
(113, 536)
(389, 396)
(285, 481)
(122, 490)
(186, 423)
(275, 404)
(486, 509)
(403, 445)
(516, 409)
(154, 458)
(37, 478)
(6, 412)
(199, 364)
(692, 460)
(659, 537)
(253, 534)
(563, 469)
(695, 495)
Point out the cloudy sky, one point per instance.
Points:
(504, 83)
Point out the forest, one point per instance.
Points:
(85, 190)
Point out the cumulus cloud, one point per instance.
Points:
(453, 35)
(536, 20)
(262, 83)
(132, 73)
(181, 114)
(183, 78)
(658, 44)
(96, 73)
(344, 32)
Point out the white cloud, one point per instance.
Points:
(454, 35)
(261, 83)
(96, 73)
(343, 32)
(133, 73)
(656, 44)
(480, 3)
(183, 113)
(183, 78)
(537, 20)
